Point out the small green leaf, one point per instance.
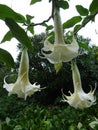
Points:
(6, 12)
(31, 29)
(29, 18)
(8, 36)
(93, 8)
(77, 27)
(81, 10)
(49, 27)
(18, 33)
(34, 1)
(6, 57)
(71, 22)
(44, 24)
(62, 4)
(85, 46)
(85, 19)
(58, 67)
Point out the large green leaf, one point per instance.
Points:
(6, 12)
(6, 57)
(93, 6)
(63, 4)
(81, 10)
(71, 22)
(34, 1)
(8, 36)
(18, 33)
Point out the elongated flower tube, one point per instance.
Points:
(79, 99)
(59, 51)
(22, 87)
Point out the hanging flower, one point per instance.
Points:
(59, 51)
(79, 99)
(22, 87)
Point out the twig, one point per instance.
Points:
(36, 24)
(86, 22)
(47, 20)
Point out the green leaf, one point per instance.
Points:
(34, 1)
(29, 18)
(85, 19)
(81, 10)
(18, 33)
(49, 27)
(85, 46)
(6, 12)
(45, 25)
(93, 8)
(77, 27)
(6, 57)
(71, 22)
(31, 29)
(8, 36)
(62, 4)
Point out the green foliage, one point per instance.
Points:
(71, 22)
(48, 27)
(27, 115)
(77, 27)
(34, 1)
(8, 36)
(29, 18)
(6, 57)
(81, 10)
(85, 19)
(6, 12)
(18, 33)
(93, 7)
(84, 46)
(62, 4)
(30, 29)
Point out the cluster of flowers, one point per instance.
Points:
(59, 52)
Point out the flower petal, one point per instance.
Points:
(61, 53)
(7, 86)
(22, 87)
(47, 45)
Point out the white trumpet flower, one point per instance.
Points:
(79, 99)
(22, 87)
(59, 51)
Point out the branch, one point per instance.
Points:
(36, 24)
(47, 20)
(86, 22)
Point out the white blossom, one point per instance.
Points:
(79, 99)
(59, 51)
(22, 87)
